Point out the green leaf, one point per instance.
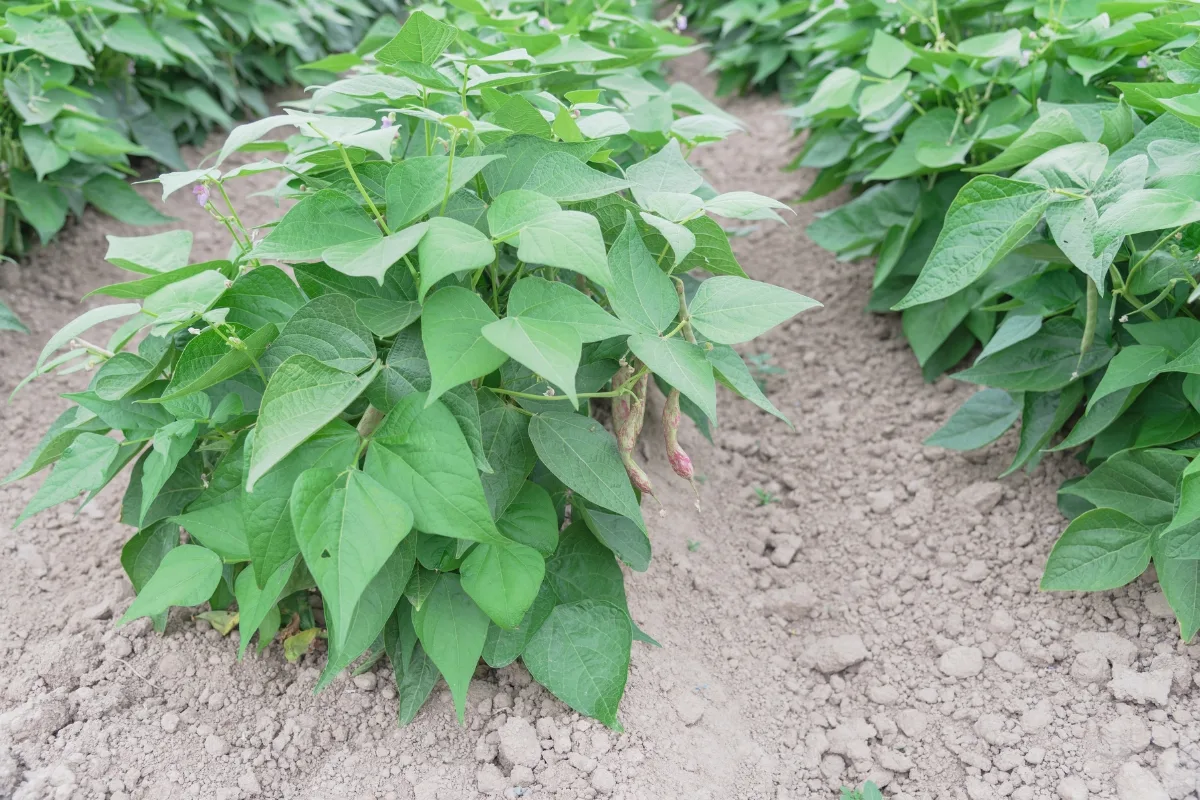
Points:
(1137, 483)
(168, 447)
(512, 211)
(566, 240)
(452, 330)
(118, 199)
(42, 205)
(150, 255)
(254, 603)
(732, 310)
(49, 35)
(1003, 44)
(122, 374)
(420, 453)
(503, 580)
(405, 371)
(531, 519)
(371, 613)
(264, 294)
(321, 221)
(464, 405)
(84, 322)
(664, 171)
(506, 445)
(584, 456)
(1046, 361)
(887, 55)
(416, 186)
(550, 349)
(1043, 415)
(1180, 582)
(81, 468)
(989, 217)
(732, 371)
(553, 301)
(372, 258)
(450, 247)
(581, 654)
(1146, 210)
(266, 513)
(421, 39)
(1131, 366)
(386, 318)
(452, 629)
(209, 359)
(66, 428)
(682, 364)
(302, 397)
(9, 321)
(328, 329)
(981, 420)
(142, 555)
(1050, 130)
(619, 534)
(640, 294)
(219, 527)
(347, 525)
(505, 646)
(1101, 549)
(187, 576)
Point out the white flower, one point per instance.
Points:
(681, 23)
(194, 331)
(1144, 62)
(543, 23)
(1025, 56)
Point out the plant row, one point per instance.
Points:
(1032, 175)
(497, 244)
(90, 85)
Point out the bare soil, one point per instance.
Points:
(878, 618)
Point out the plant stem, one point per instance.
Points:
(361, 190)
(684, 319)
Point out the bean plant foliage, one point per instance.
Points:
(91, 86)
(1032, 195)
(496, 233)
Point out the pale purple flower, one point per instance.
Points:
(387, 123)
(681, 23)
(201, 192)
(543, 23)
(1144, 62)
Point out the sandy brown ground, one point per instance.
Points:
(879, 619)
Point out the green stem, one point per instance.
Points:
(362, 190)
(1146, 255)
(684, 317)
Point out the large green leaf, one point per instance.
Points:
(450, 247)
(981, 420)
(50, 35)
(186, 576)
(1180, 582)
(1050, 130)
(452, 629)
(619, 534)
(142, 555)
(416, 186)
(1133, 365)
(422, 39)
(550, 349)
(419, 452)
(1046, 361)
(302, 397)
(452, 330)
(255, 603)
(531, 519)
(1137, 483)
(512, 211)
(347, 525)
(581, 654)
(989, 217)
(328, 329)
(553, 301)
(503, 580)
(372, 258)
(641, 294)
(584, 456)
(567, 240)
(731, 310)
(324, 220)
(682, 364)
(1101, 549)
(507, 447)
(210, 359)
(81, 468)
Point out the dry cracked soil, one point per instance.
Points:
(878, 619)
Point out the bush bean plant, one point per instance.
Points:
(90, 84)
(497, 243)
(1033, 194)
